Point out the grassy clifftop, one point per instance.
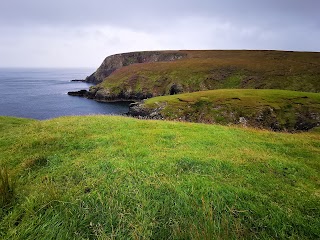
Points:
(271, 109)
(104, 177)
(207, 70)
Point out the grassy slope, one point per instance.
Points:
(205, 70)
(113, 177)
(227, 106)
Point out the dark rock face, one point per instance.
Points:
(266, 118)
(176, 89)
(78, 80)
(104, 95)
(81, 93)
(138, 110)
(307, 120)
(114, 62)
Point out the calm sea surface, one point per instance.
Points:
(42, 94)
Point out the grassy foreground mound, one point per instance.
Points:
(104, 177)
(271, 109)
(206, 70)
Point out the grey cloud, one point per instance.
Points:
(146, 13)
(83, 32)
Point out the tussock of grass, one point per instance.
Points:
(122, 178)
(6, 188)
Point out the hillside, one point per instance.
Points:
(140, 75)
(101, 177)
(277, 110)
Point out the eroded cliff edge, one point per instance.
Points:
(117, 61)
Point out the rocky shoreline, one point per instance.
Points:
(78, 80)
(136, 107)
(103, 95)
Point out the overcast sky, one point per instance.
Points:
(81, 33)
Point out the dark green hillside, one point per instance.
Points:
(207, 70)
(272, 109)
(102, 177)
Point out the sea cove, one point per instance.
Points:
(42, 94)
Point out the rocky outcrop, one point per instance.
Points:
(114, 62)
(78, 80)
(101, 94)
(176, 89)
(138, 109)
(81, 93)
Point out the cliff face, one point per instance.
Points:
(114, 62)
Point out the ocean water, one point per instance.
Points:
(42, 94)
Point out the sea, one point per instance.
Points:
(42, 94)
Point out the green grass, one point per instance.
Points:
(261, 108)
(207, 70)
(102, 177)
(6, 188)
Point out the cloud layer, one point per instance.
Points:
(82, 33)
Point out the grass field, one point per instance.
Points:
(100, 177)
(271, 109)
